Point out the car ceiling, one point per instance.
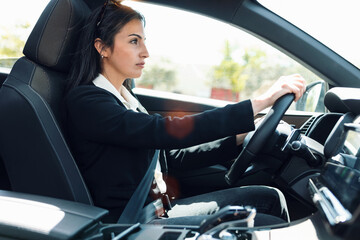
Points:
(207, 7)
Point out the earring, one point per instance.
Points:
(102, 56)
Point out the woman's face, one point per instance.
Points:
(126, 59)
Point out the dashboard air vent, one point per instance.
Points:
(305, 127)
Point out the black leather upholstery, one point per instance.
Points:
(33, 148)
(53, 39)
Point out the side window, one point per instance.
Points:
(17, 18)
(195, 55)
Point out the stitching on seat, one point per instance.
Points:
(67, 33)
(43, 29)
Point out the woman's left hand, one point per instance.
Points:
(240, 137)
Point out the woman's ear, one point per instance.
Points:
(100, 47)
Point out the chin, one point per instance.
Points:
(136, 75)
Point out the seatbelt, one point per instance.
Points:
(136, 203)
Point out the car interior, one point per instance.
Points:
(314, 161)
(33, 91)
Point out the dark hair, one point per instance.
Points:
(86, 60)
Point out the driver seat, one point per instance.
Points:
(32, 145)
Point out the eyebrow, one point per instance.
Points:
(136, 35)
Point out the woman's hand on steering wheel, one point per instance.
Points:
(280, 95)
(286, 84)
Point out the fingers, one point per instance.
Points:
(287, 84)
(295, 84)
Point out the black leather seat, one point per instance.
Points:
(35, 154)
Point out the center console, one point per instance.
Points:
(29, 217)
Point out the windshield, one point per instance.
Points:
(334, 23)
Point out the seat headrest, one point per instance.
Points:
(53, 40)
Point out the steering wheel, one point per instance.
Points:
(266, 128)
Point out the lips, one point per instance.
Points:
(142, 64)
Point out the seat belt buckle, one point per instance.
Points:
(159, 208)
(166, 201)
(162, 206)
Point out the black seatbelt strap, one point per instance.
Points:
(136, 203)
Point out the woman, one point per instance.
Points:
(113, 138)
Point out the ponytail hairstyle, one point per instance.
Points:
(104, 23)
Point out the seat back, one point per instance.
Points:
(32, 145)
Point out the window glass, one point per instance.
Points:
(352, 140)
(352, 143)
(189, 54)
(194, 55)
(333, 23)
(17, 18)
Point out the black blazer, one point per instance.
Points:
(113, 146)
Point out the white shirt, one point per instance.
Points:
(124, 95)
(132, 103)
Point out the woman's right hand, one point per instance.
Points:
(286, 84)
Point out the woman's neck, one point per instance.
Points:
(116, 82)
